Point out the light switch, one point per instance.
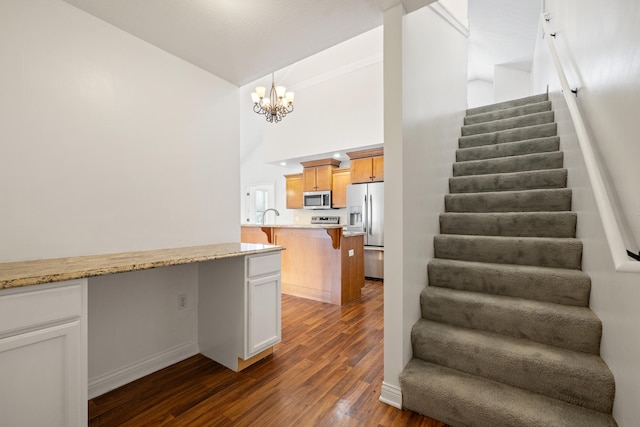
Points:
(351, 252)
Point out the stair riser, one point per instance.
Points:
(509, 113)
(510, 123)
(511, 135)
(565, 287)
(557, 253)
(523, 201)
(562, 328)
(585, 380)
(535, 224)
(507, 104)
(463, 400)
(526, 163)
(518, 148)
(555, 178)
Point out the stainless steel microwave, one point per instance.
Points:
(316, 199)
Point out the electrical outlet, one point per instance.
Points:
(182, 301)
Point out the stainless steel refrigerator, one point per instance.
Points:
(365, 213)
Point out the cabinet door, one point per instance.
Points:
(42, 379)
(378, 168)
(309, 178)
(324, 177)
(294, 185)
(43, 355)
(361, 170)
(341, 179)
(264, 308)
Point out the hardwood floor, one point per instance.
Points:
(326, 372)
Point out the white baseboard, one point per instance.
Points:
(120, 377)
(391, 395)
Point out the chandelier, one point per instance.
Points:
(276, 106)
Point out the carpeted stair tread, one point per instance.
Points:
(507, 149)
(545, 284)
(573, 377)
(465, 400)
(540, 251)
(506, 336)
(563, 326)
(509, 135)
(508, 113)
(508, 123)
(509, 181)
(552, 200)
(534, 99)
(523, 224)
(522, 163)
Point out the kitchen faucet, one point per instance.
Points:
(264, 214)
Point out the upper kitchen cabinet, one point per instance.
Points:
(367, 165)
(317, 175)
(341, 178)
(294, 184)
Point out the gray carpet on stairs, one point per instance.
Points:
(507, 337)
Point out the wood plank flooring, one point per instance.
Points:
(326, 372)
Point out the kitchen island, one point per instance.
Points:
(321, 262)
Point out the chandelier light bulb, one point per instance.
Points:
(255, 98)
(261, 91)
(280, 90)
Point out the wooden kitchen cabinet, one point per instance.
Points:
(294, 185)
(317, 175)
(367, 166)
(43, 355)
(341, 178)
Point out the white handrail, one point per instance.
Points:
(605, 208)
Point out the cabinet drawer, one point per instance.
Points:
(265, 264)
(32, 308)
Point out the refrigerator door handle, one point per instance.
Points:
(371, 214)
(365, 223)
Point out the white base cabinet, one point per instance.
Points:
(43, 355)
(239, 307)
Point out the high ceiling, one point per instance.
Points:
(243, 40)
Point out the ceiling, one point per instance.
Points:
(502, 32)
(243, 40)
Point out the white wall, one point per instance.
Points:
(135, 326)
(510, 83)
(110, 144)
(479, 93)
(338, 107)
(598, 43)
(418, 163)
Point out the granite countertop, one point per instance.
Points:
(294, 225)
(26, 273)
(353, 233)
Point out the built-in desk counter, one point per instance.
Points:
(34, 272)
(44, 331)
(321, 262)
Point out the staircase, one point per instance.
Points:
(506, 336)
